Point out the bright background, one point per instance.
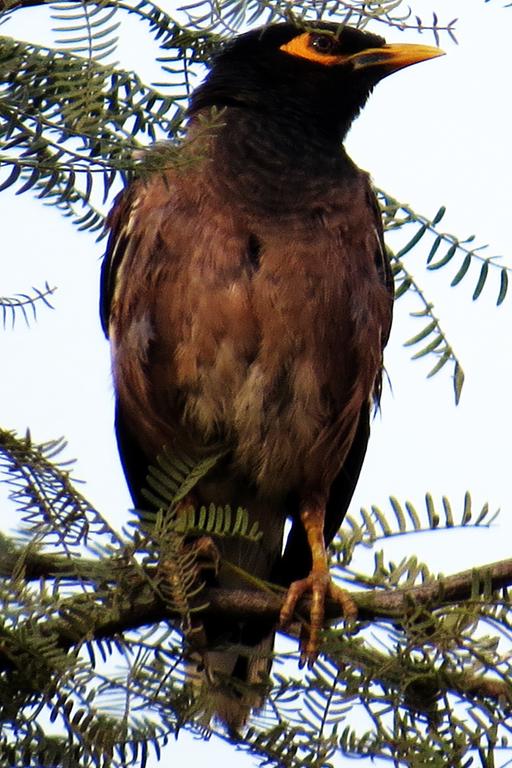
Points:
(437, 133)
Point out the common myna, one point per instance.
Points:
(247, 296)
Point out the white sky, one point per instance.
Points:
(437, 133)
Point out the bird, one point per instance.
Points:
(247, 296)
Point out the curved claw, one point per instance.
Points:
(321, 586)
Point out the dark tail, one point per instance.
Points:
(231, 676)
(231, 682)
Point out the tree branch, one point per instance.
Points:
(42, 565)
(372, 604)
(131, 599)
(127, 598)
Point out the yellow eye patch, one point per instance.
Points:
(302, 46)
(390, 58)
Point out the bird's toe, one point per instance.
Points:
(320, 587)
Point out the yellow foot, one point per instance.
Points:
(204, 556)
(206, 553)
(321, 587)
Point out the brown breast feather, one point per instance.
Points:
(263, 333)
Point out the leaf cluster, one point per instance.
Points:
(78, 645)
(24, 304)
(70, 126)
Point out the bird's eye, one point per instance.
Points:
(322, 43)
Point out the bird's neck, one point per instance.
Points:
(269, 159)
(278, 100)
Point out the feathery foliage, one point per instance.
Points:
(108, 669)
(97, 624)
(24, 304)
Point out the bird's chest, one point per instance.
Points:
(257, 329)
(274, 345)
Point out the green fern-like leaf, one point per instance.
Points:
(171, 482)
(444, 249)
(69, 126)
(431, 338)
(25, 304)
(86, 29)
(376, 525)
(43, 489)
(219, 521)
(175, 475)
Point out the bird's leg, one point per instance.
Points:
(201, 555)
(318, 582)
(206, 553)
(203, 548)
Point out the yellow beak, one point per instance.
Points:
(393, 57)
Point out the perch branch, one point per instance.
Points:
(135, 603)
(390, 604)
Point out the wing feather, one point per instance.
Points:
(296, 560)
(119, 222)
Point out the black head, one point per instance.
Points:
(322, 72)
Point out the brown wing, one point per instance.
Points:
(382, 262)
(180, 266)
(296, 560)
(133, 460)
(117, 224)
(146, 312)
